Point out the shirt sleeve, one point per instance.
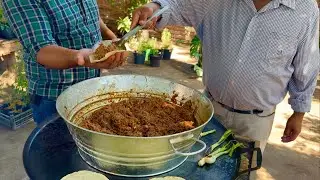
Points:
(183, 12)
(306, 68)
(30, 24)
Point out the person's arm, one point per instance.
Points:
(31, 25)
(181, 12)
(106, 32)
(303, 82)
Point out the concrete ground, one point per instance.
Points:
(292, 161)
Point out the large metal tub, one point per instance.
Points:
(131, 156)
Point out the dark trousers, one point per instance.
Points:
(42, 108)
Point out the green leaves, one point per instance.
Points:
(196, 52)
(124, 25)
(21, 83)
(18, 91)
(166, 38)
(3, 22)
(195, 48)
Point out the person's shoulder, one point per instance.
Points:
(310, 6)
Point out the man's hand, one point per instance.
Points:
(293, 127)
(141, 14)
(114, 61)
(82, 57)
(56, 57)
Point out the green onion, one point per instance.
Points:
(234, 147)
(228, 148)
(222, 139)
(207, 133)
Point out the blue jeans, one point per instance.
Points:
(42, 109)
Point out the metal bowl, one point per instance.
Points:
(124, 155)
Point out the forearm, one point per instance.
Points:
(299, 114)
(106, 33)
(57, 57)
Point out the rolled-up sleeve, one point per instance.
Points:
(183, 12)
(306, 68)
(30, 24)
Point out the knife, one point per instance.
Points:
(139, 27)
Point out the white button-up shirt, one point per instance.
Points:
(251, 58)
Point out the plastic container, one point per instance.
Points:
(15, 119)
(167, 54)
(139, 58)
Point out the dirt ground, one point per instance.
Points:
(293, 161)
(296, 160)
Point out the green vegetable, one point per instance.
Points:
(198, 70)
(228, 148)
(234, 147)
(222, 139)
(207, 133)
(196, 50)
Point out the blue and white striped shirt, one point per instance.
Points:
(251, 58)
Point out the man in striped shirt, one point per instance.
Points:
(254, 52)
(57, 37)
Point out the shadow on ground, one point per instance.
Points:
(184, 67)
(297, 165)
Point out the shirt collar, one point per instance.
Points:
(289, 3)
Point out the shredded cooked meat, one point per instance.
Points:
(142, 117)
(102, 50)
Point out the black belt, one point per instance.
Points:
(255, 111)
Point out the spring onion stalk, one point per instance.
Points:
(211, 158)
(228, 148)
(224, 148)
(207, 133)
(222, 139)
(234, 147)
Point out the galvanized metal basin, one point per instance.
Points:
(123, 155)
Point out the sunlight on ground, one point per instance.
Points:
(263, 174)
(182, 54)
(199, 79)
(294, 160)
